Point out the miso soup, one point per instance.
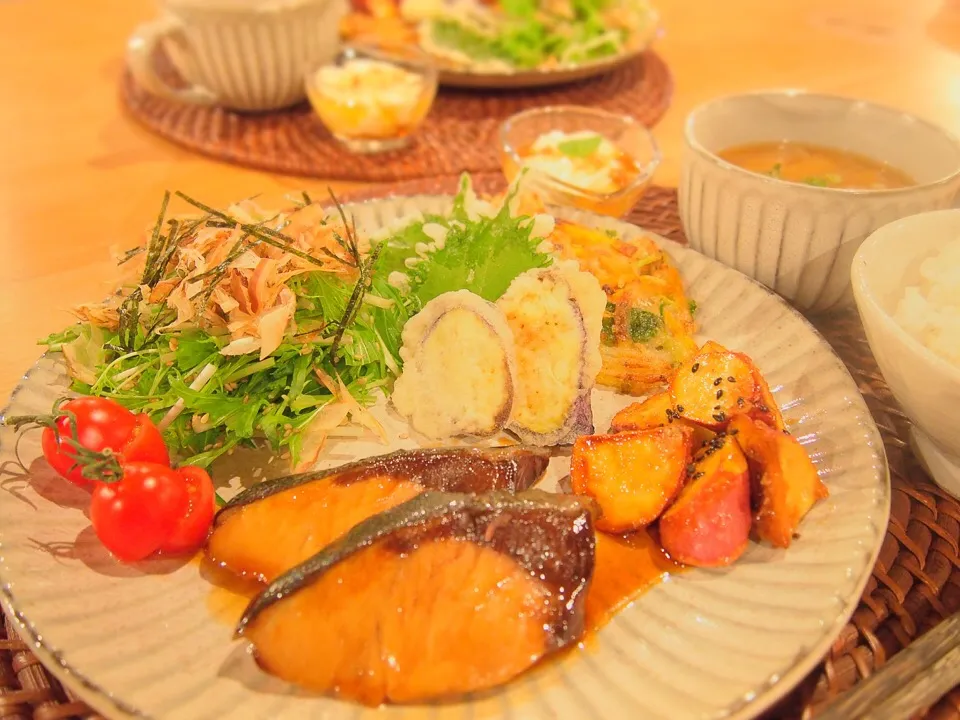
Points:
(816, 165)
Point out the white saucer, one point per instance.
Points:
(944, 469)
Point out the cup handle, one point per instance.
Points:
(140, 53)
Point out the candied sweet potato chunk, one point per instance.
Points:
(650, 413)
(719, 384)
(656, 411)
(632, 476)
(709, 524)
(713, 387)
(785, 483)
(765, 407)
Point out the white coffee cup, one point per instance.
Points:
(241, 54)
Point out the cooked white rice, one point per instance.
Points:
(930, 311)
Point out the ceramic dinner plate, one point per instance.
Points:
(149, 641)
(473, 79)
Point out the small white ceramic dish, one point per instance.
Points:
(926, 385)
(799, 239)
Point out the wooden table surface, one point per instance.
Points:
(77, 177)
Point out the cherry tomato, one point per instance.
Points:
(191, 532)
(102, 424)
(136, 514)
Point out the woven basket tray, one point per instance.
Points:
(915, 584)
(458, 135)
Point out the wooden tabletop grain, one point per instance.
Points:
(77, 177)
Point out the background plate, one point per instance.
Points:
(141, 641)
(524, 79)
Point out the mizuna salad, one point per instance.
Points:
(240, 326)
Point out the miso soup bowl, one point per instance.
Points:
(797, 239)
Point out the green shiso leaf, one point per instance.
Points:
(478, 253)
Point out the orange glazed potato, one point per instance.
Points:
(765, 407)
(785, 482)
(632, 476)
(709, 524)
(719, 384)
(650, 413)
(713, 387)
(656, 411)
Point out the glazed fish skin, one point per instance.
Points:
(443, 595)
(277, 524)
(454, 469)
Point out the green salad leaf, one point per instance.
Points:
(479, 253)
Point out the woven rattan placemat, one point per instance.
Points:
(915, 584)
(458, 135)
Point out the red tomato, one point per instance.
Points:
(135, 515)
(102, 424)
(191, 532)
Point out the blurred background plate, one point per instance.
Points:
(524, 79)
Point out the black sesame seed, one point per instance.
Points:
(719, 394)
(731, 379)
(696, 366)
(718, 381)
(719, 417)
(716, 407)
(734, 431)
(740, 402)
(698, 476)
(679, 409)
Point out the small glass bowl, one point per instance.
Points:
(366, 117)
(520, 131)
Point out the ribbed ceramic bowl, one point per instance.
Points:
(925, 385)
(150, 640)
(247, 55)
(799, 240)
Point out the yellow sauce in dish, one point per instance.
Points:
(816, 165)
(369, 99)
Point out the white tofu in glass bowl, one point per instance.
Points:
(906, 282)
